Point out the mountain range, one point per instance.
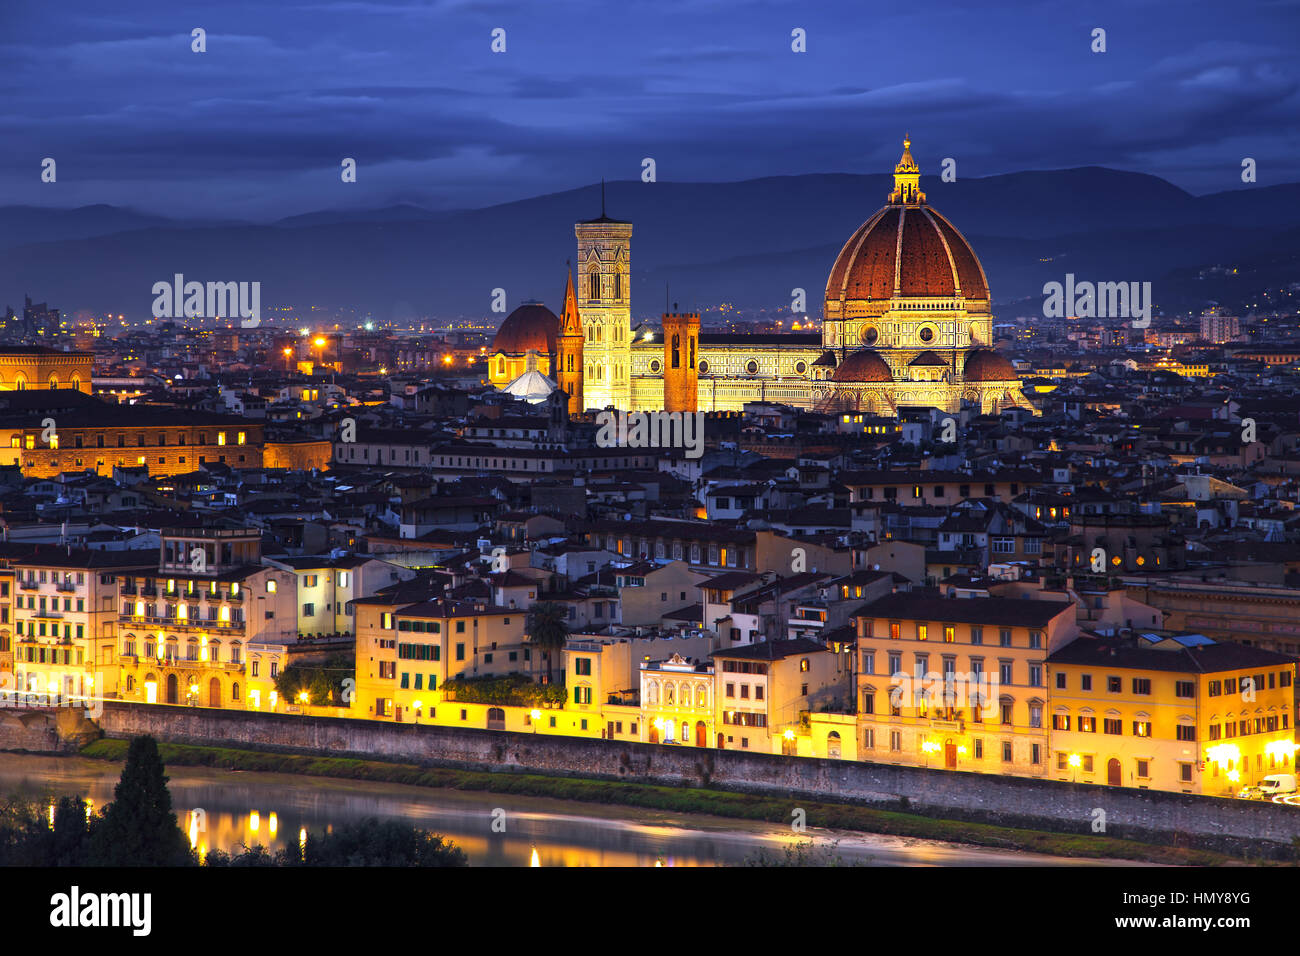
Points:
(746, 243)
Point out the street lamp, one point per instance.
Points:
(1075, 761)
(534, 716)
(928, 747)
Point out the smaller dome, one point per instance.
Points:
(983, 365)
(531, 326)
(863, 365)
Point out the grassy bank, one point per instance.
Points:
(719, 803)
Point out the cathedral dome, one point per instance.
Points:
(983, 365)
(863, 365)
(907, 249)
(531, 326)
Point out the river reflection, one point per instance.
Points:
(225, 810)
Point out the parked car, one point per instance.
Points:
(1250, 793)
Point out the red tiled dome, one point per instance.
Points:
(863, 365)
(531, 326)
(985, 366)
(908, 250)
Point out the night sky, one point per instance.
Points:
(256, 126)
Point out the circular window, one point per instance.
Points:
(704, 366)
(800, 367)
(751, 367)
(655, 366)
(927, 334)
(870, 336)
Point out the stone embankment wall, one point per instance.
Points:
(1235, 826)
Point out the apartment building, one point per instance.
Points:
(957, 683)
(1182, 713)
(64, 614)
(328, 584)
(765, 692)
(407, 651)
(184, 623)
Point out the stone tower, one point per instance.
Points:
(681, 360)
(605, 305)
(568, 372)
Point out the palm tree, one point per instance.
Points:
(547, 627)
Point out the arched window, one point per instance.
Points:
(76, 382)
(20, 382)
(234, 691)
(501, 366)
(701, 697)
(593, 285)
(652, 692)
(54, 381)
(669, 695)
(618, 286)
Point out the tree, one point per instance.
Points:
(547, 626)
(139, 828)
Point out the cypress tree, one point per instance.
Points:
(139, 827)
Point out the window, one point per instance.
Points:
(1006, 751)
(1060, 681)
(582, 665)
(1114, 685)
(1004, 637)
(949, 635)
(1184, 688)
(1060, 721)
(1144, 769)
(977, 635)
(1186, 732)
(1085, 682)
(1112, 726)
(1142, 685)
(1087, 725)
(1141, 728)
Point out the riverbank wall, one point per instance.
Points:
(1239, 827)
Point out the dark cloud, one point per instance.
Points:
(256, 126)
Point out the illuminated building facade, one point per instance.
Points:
(1178, 713)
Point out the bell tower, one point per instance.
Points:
(569, 346)
(681, 361)
(605, 307)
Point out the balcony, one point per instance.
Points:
(28, 585)
(67, 587)
(129, 591)
(176, 623)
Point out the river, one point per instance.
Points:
(275, 809)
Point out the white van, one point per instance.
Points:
(1276, 785)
